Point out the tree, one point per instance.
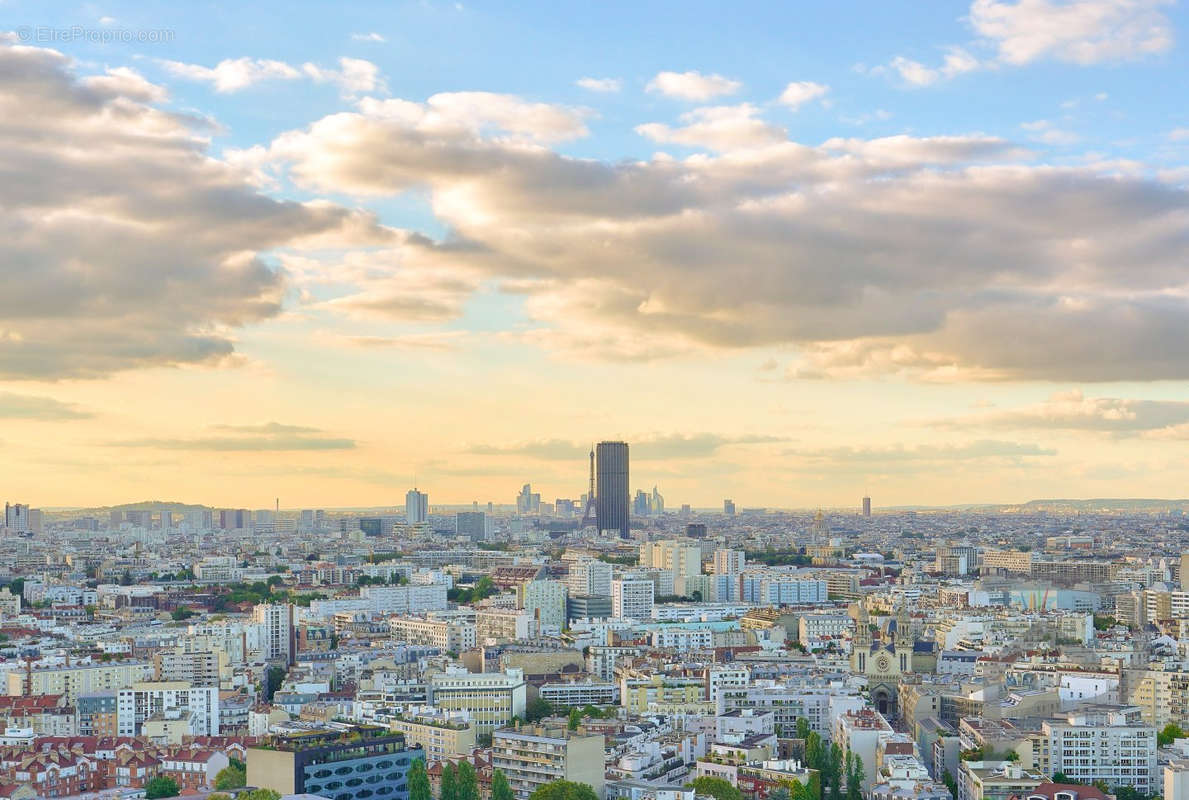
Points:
(449, 782)
(274, 678)
(575, 719)
(500, 790)
(948, 779)
(1169, 734)
(468, 782)
(854, 778)
(218, 796)
(181, 613)
(231, 777)
(803, 729)
(564, 790)
(717, 788)
(780, 793)
(259, 794)
(419, 781)
(161, 787)
(538, 709)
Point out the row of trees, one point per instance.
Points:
(459, 782)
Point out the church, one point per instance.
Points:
(885, 654)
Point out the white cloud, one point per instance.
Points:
(1178, 135)
(604, 85)
(353, 76)
(693, 85)
(368, 37)
(798, 93)
(234, 74)
(1046, 132)
(1076, 31)
(957, 62)
(719, 128)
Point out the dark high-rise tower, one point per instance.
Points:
(611, 492)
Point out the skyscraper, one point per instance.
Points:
(416, 507)
(611, 492)
(866, 506)
(728, 507)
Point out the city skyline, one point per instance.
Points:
(941, 262)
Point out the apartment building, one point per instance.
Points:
(632, 598)
(77, 679)
(504, 624)
(1107, 743)
(443, 736)
(202, 668)
(531, 756)
(447, 635)
(490, 698)
(194, 709)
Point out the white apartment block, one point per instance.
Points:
(632, 598)
(168, 700)
(1107, 743)
(277, 631)
(589, 577)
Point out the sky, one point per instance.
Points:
(793, 253)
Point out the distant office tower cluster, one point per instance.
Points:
(728, 507)
(416, 507)
(528, 501)
(611, 490)
(19, 518)
(646, 504)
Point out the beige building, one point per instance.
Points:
(206, 668)
(442, 737)
(450, 636)
(490, 699)
(532, 755)
(77, 679)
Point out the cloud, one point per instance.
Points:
(547, 449)
(368, 37)
(698, 445)
(20, 406)
(945, 258)
(268, 427)
(798, 93)
(123, 242)
(234, 74)
(603, 85)
(268, 437)
(436, 341)
(1076, 31)
(353, 76)
(1042, 130)
(957, 61)
(654, 447)
(1080, 32)
(693, 85)
(719, 128)
(1074, 411)
(902, 458)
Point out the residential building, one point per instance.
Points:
(531, 756)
